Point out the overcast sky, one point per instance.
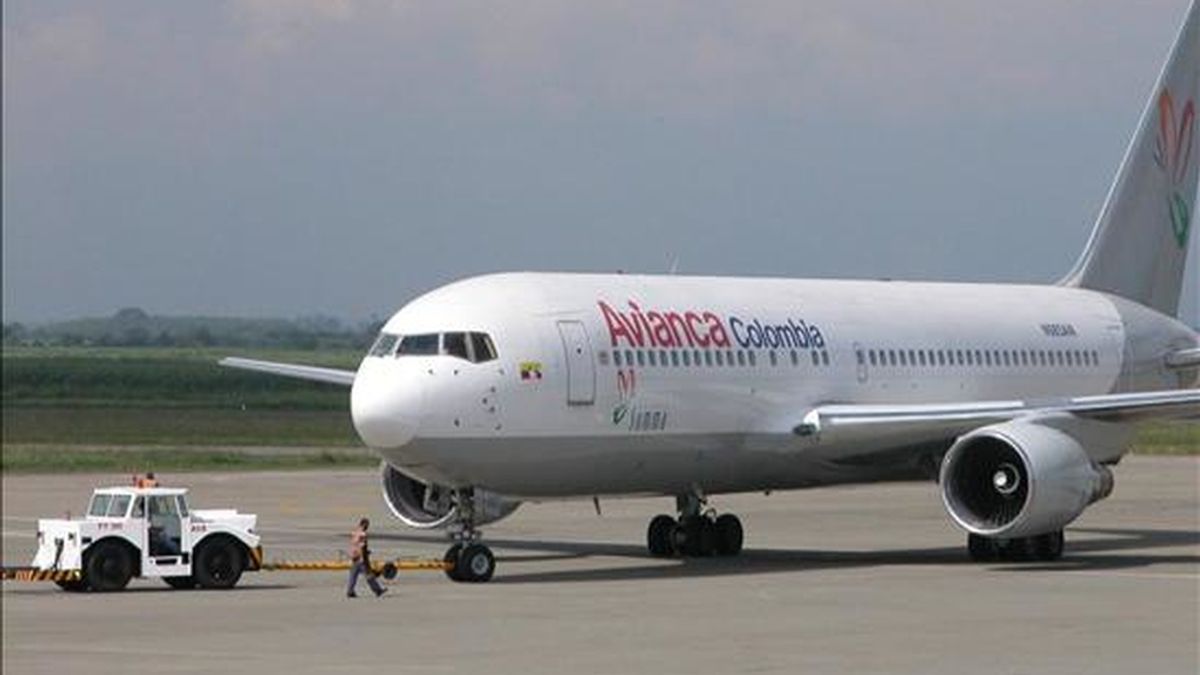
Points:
(284, 158)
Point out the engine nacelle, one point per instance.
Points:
(1019, 479)
(426, 506)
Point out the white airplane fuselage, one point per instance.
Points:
(630, 384)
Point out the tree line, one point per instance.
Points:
(134, 327)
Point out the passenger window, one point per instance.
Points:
(708, 360)
(675, 358)
(662, 359)
(892, 358)
(825, 358)
(455, 344)
(687, 358)
(641, 357)
(753, 359)
(419, 345)
(774, 359)
(921, 355)
(482, 349)
(729, 358)
(720, 359)
(795, 358)
(696, 357)
(941, 357)
(741, 356)
(653, 359)
(616, 358)
(628, 357)
(384, 344)
(816, 359)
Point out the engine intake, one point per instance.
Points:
(427, 506)
(1019, 479)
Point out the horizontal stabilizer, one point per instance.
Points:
(344, 378)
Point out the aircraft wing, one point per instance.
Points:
(344, 378)
(949, 419)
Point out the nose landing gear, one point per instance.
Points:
(698, 532)
(467, 559)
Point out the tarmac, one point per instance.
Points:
(864, 579)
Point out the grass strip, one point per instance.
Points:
(1168, 438)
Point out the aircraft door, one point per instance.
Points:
(581, 367)
(860, 359)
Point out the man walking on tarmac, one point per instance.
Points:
(360, 561)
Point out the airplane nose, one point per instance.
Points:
(385, 404)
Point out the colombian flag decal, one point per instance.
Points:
(531, 370)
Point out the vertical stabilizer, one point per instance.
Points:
(1139, 245)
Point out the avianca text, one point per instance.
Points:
(665, 329)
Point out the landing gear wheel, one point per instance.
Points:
(476, 564)
(218, 564)
(109, 567)
(689, 536)
(451, 560)
(729, 534)
(982, 549)
(1017, 550)
(181, 583)
(659, 536)
(1048, 546)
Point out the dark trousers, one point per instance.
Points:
(360, 567)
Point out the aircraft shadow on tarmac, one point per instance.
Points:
(1097, 549)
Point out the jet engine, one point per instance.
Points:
(1019, 479)
(427, 506)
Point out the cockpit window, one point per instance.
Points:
(482, 348)
(473, 347)
(455, 344)
(419, 345)
(384, 344)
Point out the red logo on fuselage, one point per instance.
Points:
(667, 329)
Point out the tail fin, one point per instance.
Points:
(1139, 245)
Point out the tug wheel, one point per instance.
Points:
(109, 567)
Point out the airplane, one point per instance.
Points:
(1018, 399)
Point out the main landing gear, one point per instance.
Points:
(467, 559)
(697, 532)
(1043, 547)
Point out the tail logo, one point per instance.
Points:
(1173, 154)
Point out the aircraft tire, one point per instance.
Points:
(730, 535)
(477, 564)
(451, 560)
(982, 549)
(1048, 546)
(659, 536)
